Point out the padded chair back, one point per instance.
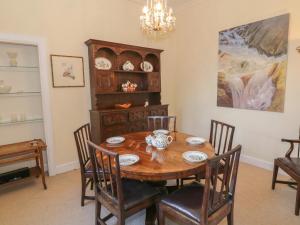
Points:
(219, 192)
(162, 122)
(221, 136)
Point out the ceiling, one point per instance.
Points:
(171, 3)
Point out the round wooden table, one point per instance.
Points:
(157, 165)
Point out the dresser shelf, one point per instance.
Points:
(20, 94)
(19, 68)
(37, 120)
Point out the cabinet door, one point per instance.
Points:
(154, 82)
(138, 126)
(137, 115)
(115, 118)
(105, 82)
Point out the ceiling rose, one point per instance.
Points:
(157, 19)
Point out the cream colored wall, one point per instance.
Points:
(196, 89)
(66, 25)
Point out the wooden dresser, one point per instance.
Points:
(106, 89)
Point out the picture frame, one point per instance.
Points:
(67, 71)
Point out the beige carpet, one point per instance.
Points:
(29, 204)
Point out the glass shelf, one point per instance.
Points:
(36, 120)
(20, 94)
(19, 68)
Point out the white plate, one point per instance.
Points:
(195, 140)
(194, 156)
(115, 140)
(102, 63)
(146, 66)
(161, 131)
(128, 159)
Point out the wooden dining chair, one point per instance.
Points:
(290, 165)
(221, 138)
(162, 122)
(209, 203)
(82, 135)
(121, 197)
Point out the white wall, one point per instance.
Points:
(66, 25)
(197, 57)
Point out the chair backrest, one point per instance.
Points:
(218, 192)
(82, 135)
(106, 175)
(221, 136)
(162, 122)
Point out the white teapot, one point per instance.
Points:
(160, 141)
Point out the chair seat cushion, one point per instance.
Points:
(291, 163)
(88, 169)
(136, 192)
(187, 200)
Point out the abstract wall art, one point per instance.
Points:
(252, 65)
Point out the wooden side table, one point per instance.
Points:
(25, 151)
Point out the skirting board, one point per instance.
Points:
(67, 167)
(244, 158)
(259, 163)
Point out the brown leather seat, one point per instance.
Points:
(187, 200)
(183, 200)
(292, 163)
(292, 167)
(209, 203)
(136, 192)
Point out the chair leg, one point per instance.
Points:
(161, 217)
(97, 212)
(150, 215)
(83, 188)
(230, 218)
(121, 221)
(92, 184)
(275, 173)
(297, 208)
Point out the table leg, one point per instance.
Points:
(42, 168)
(37, 166)
(150, 215)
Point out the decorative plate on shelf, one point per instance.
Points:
(194, 156)
(102, 63)
(195, 140)
(115, 140)
(128, 159)
(161, 131)
(146, 66)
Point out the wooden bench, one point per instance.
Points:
(25, 151)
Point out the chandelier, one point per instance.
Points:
(157, 18)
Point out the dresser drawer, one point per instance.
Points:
(159, 111)
(137, 115)
(115, 130)
(115, 118)
(138, 126)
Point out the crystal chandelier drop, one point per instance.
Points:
(157, 19)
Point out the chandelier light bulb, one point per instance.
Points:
(157, 18)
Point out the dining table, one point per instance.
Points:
(159, 165)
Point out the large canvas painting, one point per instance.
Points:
(252, 65)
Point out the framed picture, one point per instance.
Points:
(67, 71)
